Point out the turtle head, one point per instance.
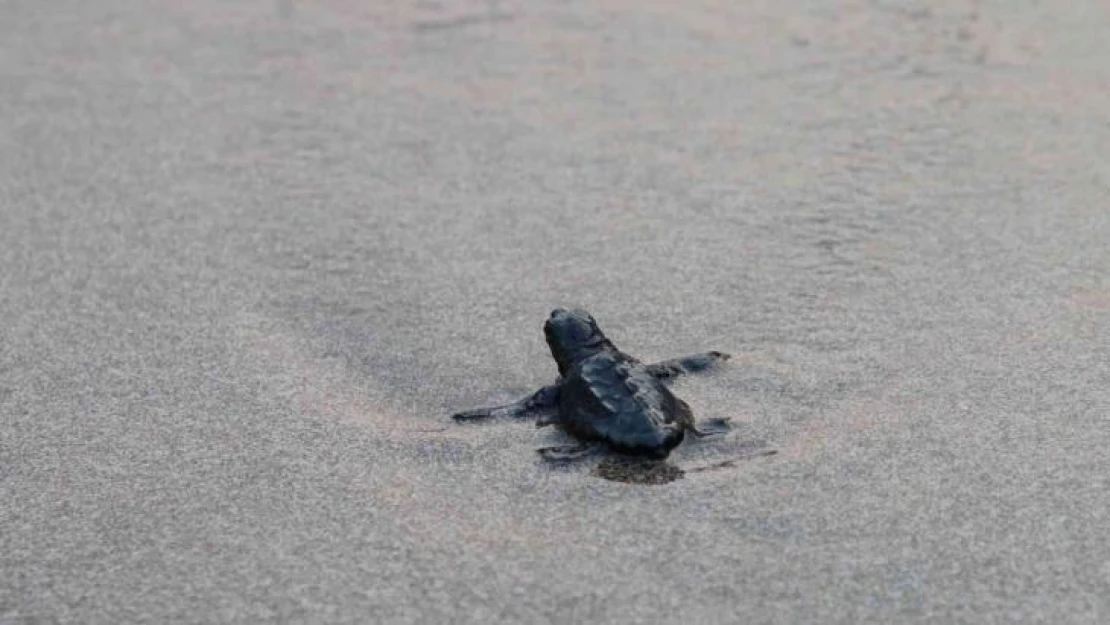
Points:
(572, 335)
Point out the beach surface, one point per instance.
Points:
(253, 254)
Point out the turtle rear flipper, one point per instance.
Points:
(567, 453)
(710, 427)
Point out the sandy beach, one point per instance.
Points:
(253, 254)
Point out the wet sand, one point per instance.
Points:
(254, 253)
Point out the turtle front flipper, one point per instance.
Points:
(553, 418)
(547, 398)
(687, 364)
(484, 413)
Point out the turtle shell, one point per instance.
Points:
(608, 398)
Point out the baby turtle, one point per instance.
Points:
(604, 396)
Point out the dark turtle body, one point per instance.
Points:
(604, 396)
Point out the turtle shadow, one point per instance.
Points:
(649, 471)
(637, 470)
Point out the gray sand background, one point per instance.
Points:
(253, 253)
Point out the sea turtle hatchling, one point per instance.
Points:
(604, 396)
